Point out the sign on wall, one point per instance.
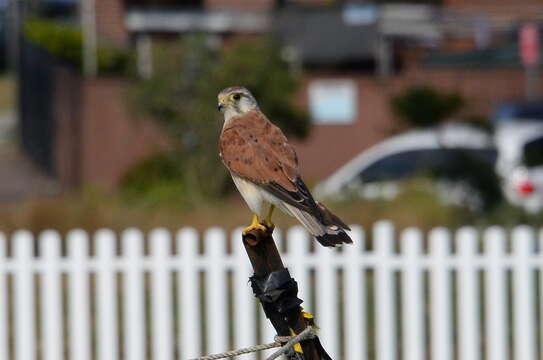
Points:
(529, 44)
(333, 101)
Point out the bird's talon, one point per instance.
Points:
(255, 225)
(252, 227)
(269, 226)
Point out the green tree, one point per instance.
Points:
(65, 42)
(422, 106)
(181, 96)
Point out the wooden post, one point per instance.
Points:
(265, 260)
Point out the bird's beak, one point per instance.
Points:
(222, 104)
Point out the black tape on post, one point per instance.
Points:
(278, 291)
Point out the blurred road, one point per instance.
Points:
(19, 177)
(7, 126)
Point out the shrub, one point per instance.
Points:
(422, 106)
(66, 42)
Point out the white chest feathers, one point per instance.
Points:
(252, 194)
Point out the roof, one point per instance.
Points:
(213, 21)
(325, 35)
(503, 56)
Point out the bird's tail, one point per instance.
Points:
(335, 234)
(326, 227)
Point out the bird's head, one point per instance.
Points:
(236, 100)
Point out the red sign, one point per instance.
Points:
(529, 44)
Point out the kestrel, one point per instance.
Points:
(265, 170)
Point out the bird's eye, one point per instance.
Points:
(236, 97)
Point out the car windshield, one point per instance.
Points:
(533, 153)
(442, 162)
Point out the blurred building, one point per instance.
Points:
(354, 54)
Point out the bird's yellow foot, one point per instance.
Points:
(268, 225)
(309, 319)
(268, 221)
(297, 347)
(255, 225)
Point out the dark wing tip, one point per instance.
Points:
(334, 239)
(330, 218)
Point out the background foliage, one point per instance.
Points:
(92, 209)
(182, 96)
(65, 42)
(423, 106)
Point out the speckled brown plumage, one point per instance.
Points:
(265, 152)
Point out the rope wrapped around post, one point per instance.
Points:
(308, 333)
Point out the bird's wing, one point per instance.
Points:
(256, 150)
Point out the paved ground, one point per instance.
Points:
(7, 126)
(19, 178)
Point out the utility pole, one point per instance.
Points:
(88, 26)
(13, 35)
(529, 48)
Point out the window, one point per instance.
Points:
(402, 165)
(440, 162)
(533, 153)
(333, 101)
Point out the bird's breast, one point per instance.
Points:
(251, 193)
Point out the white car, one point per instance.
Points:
(520, 163)
(377, 171)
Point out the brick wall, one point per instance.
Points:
(98, 139)
(491, 3)
(500, 10)
(330, 146)
(113, 139)
(239, 4)
(110, 21)
(67, 127)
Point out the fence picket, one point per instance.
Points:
(298, 248)
(189, 295)
(216, 291)
(440, 295)
(266, 329)
(355, 298)
(523, 301)
(385, 305)
(134, 305)
(161, 295)
(106, 293)
(496, 306)
(413, 296)
(267, 332)
(3, 299)
(78, 282)
(468, 295)
(327, 306)
(25, 326)
(52, 297)
(244, 310)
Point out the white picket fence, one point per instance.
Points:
(110, 297)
